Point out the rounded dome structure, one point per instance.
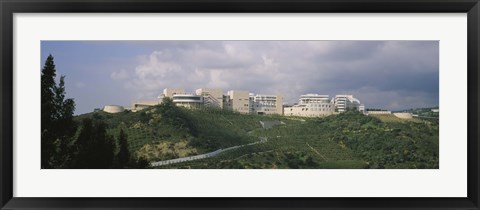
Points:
(113, 109)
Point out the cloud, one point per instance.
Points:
(383, 74)
(120, 75)
(216, 79)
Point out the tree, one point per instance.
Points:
(57, 125)
(124, 158)
(95, 149)
(141, 163)
(173, 115)
(123, 155)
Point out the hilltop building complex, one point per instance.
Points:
(309, 105)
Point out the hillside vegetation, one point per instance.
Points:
(347, 140)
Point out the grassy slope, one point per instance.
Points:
(349, 140)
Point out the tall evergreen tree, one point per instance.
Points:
(47, 96)
(82, 144)
(94, 147)
(57, 125)
(123, 155)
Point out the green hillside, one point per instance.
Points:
(425, 112)
(348, 140)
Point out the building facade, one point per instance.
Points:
(237, 101)
(170, 92)
(113, 109)
(139, 105)
(344, 102)
(213, 98)
(188, 100)
(373, 112)
(266, 104)
(311, 105)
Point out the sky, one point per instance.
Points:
(393, 75)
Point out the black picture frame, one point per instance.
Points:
(10, 7)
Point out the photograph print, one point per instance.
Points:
(240, 104)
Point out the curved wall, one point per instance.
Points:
(113, 109)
